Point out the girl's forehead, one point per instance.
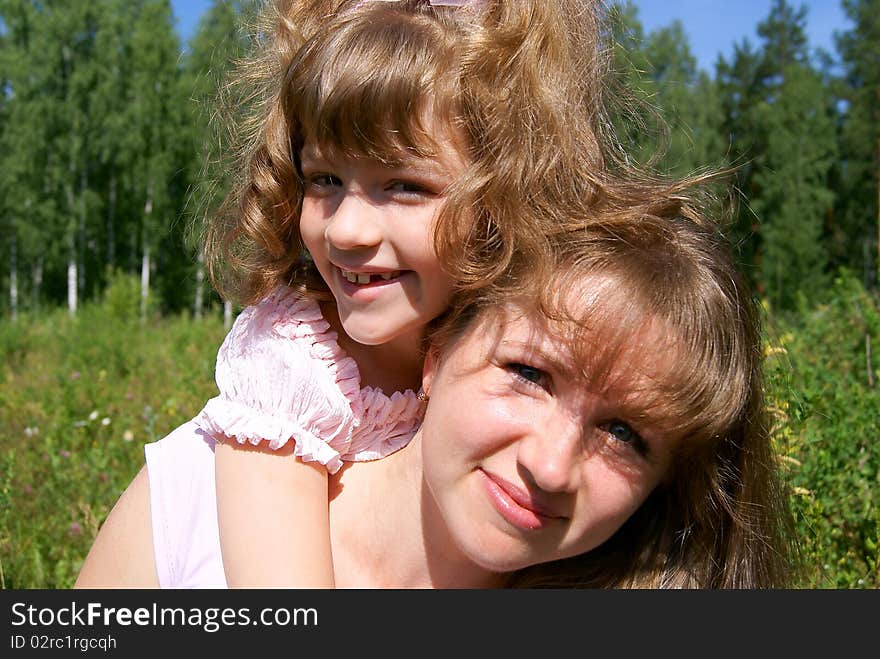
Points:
(434, 149)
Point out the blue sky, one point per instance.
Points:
(712, 26)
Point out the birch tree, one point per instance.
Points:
(219, 41)
(154, 72)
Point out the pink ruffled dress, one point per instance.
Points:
(283, 377)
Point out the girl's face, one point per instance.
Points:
(523, 460)
(368, 228)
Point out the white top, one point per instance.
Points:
(183, 509)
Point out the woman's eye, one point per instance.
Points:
(408, 187)
(622, 432)
(530, 374)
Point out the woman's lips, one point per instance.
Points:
(515, 505)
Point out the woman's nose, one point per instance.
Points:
(354, 224)
(552, 456)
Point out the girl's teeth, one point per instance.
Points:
(365, 278)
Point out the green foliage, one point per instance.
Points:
(78, 400)
(122, 297)
(854, 236)
(792, 198)
(828, 432)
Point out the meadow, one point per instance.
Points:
(79, 397)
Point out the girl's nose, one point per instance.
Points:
(552, 456)
(354, 224)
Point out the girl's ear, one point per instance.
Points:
(429, 370)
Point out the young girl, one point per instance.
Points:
(402, 135)
(603, 427)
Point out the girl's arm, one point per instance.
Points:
(273, 515)
(281, 421)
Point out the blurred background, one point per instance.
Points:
(109, 328)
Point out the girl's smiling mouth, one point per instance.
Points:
(368, 277)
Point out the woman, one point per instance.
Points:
(604, 429)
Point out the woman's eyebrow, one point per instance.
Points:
(547, 358)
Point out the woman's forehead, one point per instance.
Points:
(589, 340)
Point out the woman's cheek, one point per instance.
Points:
(493, 422)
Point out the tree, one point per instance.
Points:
(779, 119)
(152, 117)
(859, 208)
(219, 41)
(30, 215)
(792, 177)
(688, 101)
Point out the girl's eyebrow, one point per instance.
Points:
(310, 153)
(419, 165)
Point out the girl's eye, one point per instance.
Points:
(529, 374)
(323, 180)
(622, 432)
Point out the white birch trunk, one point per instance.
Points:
(200, 285)
(227, 314)
(37, 279)
(111, 233)
(145, 281)
(145, 255)
(81, 235)
(13, 278)
(71, 284)
(72, 278)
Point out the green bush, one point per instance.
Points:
(122, 298)
(828, 432)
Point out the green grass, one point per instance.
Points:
(78, 400)
(80, 397)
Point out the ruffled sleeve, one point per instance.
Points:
(282, 377)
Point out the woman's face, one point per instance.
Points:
(524, 460)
